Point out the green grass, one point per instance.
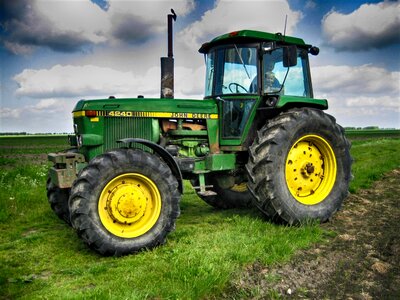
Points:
(41, 257)
(373, 158)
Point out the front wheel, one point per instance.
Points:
(124, 201)
(58, 200)
(300, 166)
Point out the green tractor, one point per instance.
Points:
(258, 137)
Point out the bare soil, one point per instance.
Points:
(359, 259)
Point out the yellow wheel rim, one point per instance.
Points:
(129, 205)
(241, 188)
(310, 169)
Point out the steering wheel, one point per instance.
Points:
(237, 85)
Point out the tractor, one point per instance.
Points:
(258, 137)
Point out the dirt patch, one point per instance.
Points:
(359, 260)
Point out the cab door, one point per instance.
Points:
(234, 118)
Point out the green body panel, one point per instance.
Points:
(92, 139)
(149, 105)
(105, 129)
(114, 119)
(260, 36)
(286, 100)
(200, 166)
(251, 35)
(221, 162)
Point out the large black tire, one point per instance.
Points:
(58, 200)
(237, 196)
(124, 201)
(300, 166)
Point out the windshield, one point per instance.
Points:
(295, 79)
(236, 73)
(233, 70)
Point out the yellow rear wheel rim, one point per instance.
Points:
(129, 205)
(310, 170)
(240, 188)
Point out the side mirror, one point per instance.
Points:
(313, 50)
(289, 56)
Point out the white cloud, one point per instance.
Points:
(356, 79)
(6, 112)
(91, 23)
(189, 83)
(68, 81)
(30, 118)
(42, 106)
(361, 95)
(361, 111)
(93, 81)
(69, 25)
(380, 101)
(228, 15)
(370, 26)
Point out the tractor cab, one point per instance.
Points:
(244, 68)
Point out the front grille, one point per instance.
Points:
(121, 127)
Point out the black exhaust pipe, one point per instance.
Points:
(167, 63)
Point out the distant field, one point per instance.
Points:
(372, 133)
(41, 257)
(31, 149)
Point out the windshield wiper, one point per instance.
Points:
(284, 80)
(209, 78)
(241, 60)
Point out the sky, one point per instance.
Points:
(55, 52)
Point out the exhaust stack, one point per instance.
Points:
(167, 63)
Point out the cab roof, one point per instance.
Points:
(244, 36)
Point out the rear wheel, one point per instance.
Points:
(300, 166)
(124, 201)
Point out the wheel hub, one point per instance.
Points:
(126, 204)
(129, 205)
(306, 168)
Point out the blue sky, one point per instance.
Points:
(53, 53)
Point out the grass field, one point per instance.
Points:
(372, 133)
(41, 257)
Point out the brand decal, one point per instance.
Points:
(144, 114)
